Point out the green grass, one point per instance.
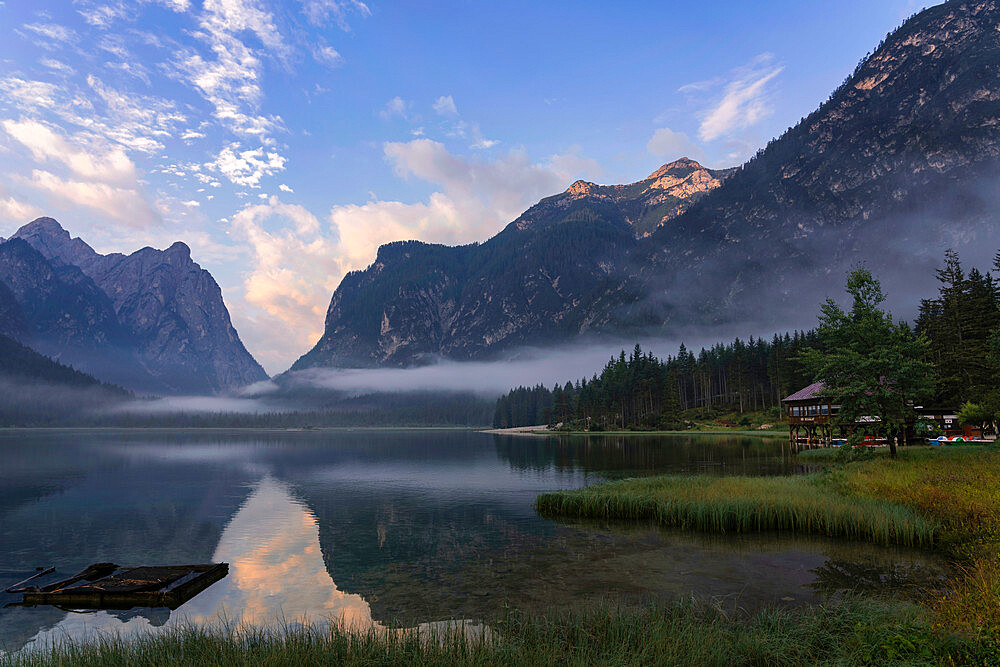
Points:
(847, 632)
(807, 504)
(947, 498)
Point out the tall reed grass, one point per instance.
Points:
(805, 504)
(847, 632)
(948, 498)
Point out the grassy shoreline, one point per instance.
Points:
(946, 498)
(804, 504)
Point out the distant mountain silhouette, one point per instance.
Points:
(152, 321)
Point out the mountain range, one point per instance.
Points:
(898, 164)
(152, 321)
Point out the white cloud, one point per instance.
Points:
(503, 185)
(700, 86)
(573, 165)
(294, 270)
(178, 6)
(327, 55)
(230, 79)
(397, 106)
(666, 143)
(285, 188)
(109, 164)
(103, 15)
(52, 35)
(471, 131)
(18, 212)
(231, 17)
(27, 94)
(137, 122)
(120, 203)
(482, 143)
(320, 12)
(57, 66)
(476, 198)
(745, 101)
(445, 106)
(102, 175)
(246, 167)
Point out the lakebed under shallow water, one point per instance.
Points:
(392, 528)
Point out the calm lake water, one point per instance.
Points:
(391, 528)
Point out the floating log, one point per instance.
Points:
(110, 586)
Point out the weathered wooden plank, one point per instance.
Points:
(123, 588)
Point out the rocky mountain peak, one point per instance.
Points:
(168, 310)
(179, 249)
(581, 187)
(48, 237)
(43, 226)
(685, 179)
(679, 167)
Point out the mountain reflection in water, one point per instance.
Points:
(388, 529)
(276, 576)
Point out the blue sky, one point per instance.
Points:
(285, 141)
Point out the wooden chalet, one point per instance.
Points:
(809, 416)
(810, 420)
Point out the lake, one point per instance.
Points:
(390, 528)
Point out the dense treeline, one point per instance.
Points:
(640, 390)
(22, 363)
(961, 328)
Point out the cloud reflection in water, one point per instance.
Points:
(277, 576)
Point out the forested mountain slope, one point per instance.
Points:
(899, 163)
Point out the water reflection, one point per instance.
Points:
(277, 576)
(616, 456)
(387, 529)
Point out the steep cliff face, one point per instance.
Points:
(902, 158)
(12, 322)
(902, 161)
(418, 301)
(166, 309)
(62, 307)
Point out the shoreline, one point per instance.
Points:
(942, 499)
(543, 431)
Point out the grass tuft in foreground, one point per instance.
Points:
(847, 632)
(806, 504)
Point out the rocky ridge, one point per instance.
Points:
(901, 162)
(153, 320)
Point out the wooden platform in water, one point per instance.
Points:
(110, 586)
